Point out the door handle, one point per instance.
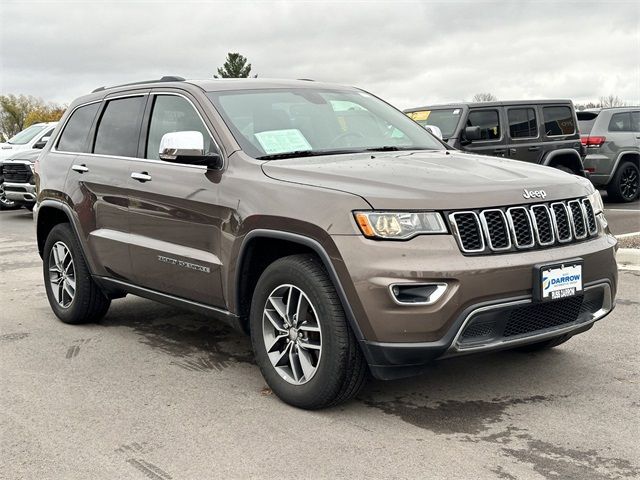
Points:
(513, 151)
(533, 149)
(80, 168)
(141, 176)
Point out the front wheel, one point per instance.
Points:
(625, 184)
(73, 295)
(302, 342)
(5, 203)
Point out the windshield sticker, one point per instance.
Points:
(282, 141)
(417, 116)
(456, 111)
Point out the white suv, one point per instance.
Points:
(35, 136)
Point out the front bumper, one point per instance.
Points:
(20, 192)
(400, 340)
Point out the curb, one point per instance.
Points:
(628, 256)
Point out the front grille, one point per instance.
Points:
(16, 173)
(523, 227)
(541, 316)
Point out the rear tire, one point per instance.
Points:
(73, 295)
(544, 345)
(337, 370)
(625, 184)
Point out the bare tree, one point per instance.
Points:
(612, 101)
(484, 97)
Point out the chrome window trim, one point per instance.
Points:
(535, 224)
(584, 212)
(607, 306)
(441, 288)
(454, 224)
(513, 227)
(555, 222)
(139, 159)
(573, 221)
(485, 227)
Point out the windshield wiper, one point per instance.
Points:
(305, 153)
(394, 148)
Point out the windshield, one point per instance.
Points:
(26, 135)
(446, 120)
(280, 123)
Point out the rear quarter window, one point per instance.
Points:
(75, 133)
(558, 121)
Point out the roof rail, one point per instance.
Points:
(166, 78)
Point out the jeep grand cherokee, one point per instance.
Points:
(338, 233)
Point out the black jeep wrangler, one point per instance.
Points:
(536, 131)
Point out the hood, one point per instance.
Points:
(23, 155)
(430, 179)
(8, 149)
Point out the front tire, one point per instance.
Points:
(73, 295)
(302, 342)
(625, 184)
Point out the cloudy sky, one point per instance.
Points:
(408, 52)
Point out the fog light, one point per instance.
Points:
(417, 293)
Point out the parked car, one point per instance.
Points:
(35, 136)
(18, 182)
(612, 139)
(534, 131)
(341, 235)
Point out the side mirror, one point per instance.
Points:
(41, 143)
(187, 147)
(472, 133)
(433, 130)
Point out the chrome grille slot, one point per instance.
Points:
(561, 222)
(521, 227)
(542, 225)
(469, 232)
(496, 229)
(592, 226)
(577, 219)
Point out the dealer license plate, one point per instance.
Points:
(560, 281)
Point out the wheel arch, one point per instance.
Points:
(49, 214)
(267, 246)
(566, 157)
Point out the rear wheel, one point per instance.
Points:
(625, 184)
(301, 339)
(544, 345)
(73, 295)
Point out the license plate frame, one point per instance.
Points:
(549, 271)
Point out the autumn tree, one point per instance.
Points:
(17, 112)
(484, 97)
(235, 66)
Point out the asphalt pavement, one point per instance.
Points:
(153, 392)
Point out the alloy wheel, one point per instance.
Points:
(292, 334)
(62, 274)
(629, 182)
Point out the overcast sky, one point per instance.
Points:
(409, 53)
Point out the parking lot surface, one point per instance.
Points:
(155, 392)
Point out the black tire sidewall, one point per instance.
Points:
(329, 377)
(74, 313)
(615, 189)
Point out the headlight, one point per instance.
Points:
(399, 225)
(596, 202)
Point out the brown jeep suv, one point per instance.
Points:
(338, 233)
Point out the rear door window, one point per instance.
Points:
(558, 121)
(620, 122)
(522, 123)
(488, 121)
(119, 128)
(75, 133)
